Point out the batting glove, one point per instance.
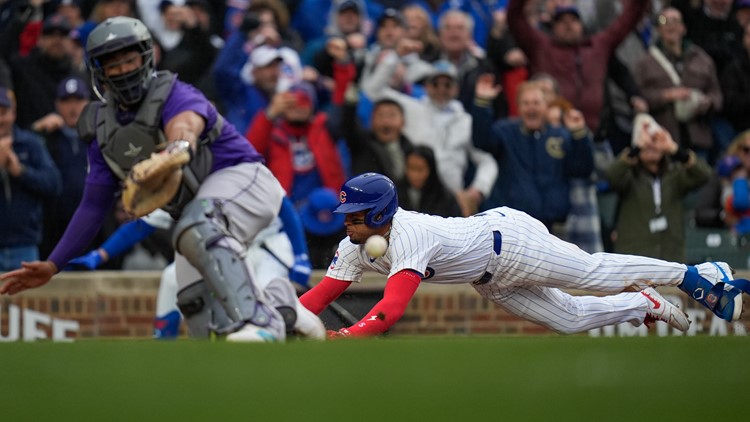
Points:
(301, 270)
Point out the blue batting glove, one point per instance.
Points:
(301, 270)
(91, 261)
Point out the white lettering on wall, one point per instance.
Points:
(33, 323)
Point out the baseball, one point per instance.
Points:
(376, 245)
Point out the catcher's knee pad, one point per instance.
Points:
(201, 237)
(201, 311)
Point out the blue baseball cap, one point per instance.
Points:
(73, 87)
(317, 215)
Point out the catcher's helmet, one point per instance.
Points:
(369, 191)
(119, 34)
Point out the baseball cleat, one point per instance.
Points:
(721, 296)
(660, 309)
(250, 333)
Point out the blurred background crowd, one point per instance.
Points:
(622, 125)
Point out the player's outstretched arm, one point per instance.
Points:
(30, 275)
(325, 292)
(398, 292)
(124, 238)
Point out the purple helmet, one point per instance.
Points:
(369, 191)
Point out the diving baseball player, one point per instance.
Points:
(190, 163)
(510, 259)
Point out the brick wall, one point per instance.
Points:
(122, 304)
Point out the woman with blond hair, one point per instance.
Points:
(419, 28)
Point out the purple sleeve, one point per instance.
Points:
(96, 202)
(185, 97)
(98, 198)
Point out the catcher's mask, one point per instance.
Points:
(115, 35)
(369, 191)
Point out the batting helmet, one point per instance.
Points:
(369, 191)
(116, 34)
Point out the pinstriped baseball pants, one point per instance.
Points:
(534, 265)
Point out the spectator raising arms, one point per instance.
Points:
(653, 178)
(578, 62)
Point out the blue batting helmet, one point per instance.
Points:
(369, 191)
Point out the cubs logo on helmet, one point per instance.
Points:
(371, 192)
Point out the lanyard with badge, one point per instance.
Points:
(659, 223)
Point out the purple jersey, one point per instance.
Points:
(229, 149)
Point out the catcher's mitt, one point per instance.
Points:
(153, 182)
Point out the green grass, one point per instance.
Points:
(417, 379)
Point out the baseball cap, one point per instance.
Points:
(391, 14)
(73, 87)
(6, 97)
(349, 5)
(56, 23)
(317, 214)
(264, 55)
(443, 68)
(727, 165)
(742, 4)
(565, 10)
(305, 94)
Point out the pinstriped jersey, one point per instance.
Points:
(443, 250)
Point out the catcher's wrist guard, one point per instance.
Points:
(179, 146)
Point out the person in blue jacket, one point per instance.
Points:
(536, 160)
(28, 176)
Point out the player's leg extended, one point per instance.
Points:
(532, 256)
(167, 318)
(567, 314)
(203, 238)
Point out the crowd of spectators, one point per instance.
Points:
(466, 105)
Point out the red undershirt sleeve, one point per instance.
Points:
(325, 292)
(398, 292)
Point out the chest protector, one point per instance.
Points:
(123, 146)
